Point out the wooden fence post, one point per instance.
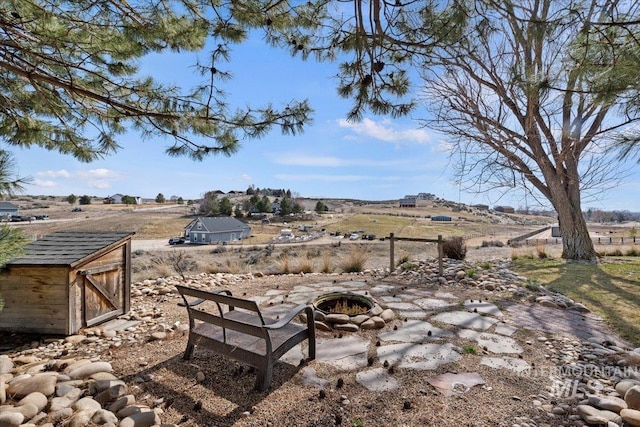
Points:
(440, 254)
(391, 253)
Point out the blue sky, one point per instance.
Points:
(376, 159)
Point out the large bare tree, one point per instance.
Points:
(531, 93)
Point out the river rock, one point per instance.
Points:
(387, 315)
(11, 419)
(141, 419)
(346, 327)
(632, 397)
(102, 417)
(6, 364)
(86, 404)
(44, 383)
(81, 418)
(90, 369)
(36, 398)
(610, 403)
(624, 385)
(337, 318)
(122, 402)
(631, 417)
(595, 416)
(59, 403)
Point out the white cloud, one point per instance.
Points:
(54, 174)
(101, 173)
(101, 185)
(44, 183)
(386, 131)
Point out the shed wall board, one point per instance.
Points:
(34, 296)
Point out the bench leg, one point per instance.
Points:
(263, 379)
(188, 352)
(312, 346)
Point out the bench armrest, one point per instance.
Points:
(290, 316)
(192, 303)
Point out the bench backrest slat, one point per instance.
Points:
(223, 322)
(220, 298)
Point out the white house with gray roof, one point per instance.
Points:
(7, 210)
(215, 229)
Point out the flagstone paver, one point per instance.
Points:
(416, 331)
(492, 342)
(510, 363)
(465, 319)
(418, 356)
(377, 379)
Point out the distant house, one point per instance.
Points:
(8, 209)
(440, 218)
(215, 229)
(481, 207)
(425, 196)
(116, 199)
(408, 202)
(504, 209)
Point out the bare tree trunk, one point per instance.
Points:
(576, 242)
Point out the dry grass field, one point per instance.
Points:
(153, 224)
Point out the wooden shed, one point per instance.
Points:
(67, 281)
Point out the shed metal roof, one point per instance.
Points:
(219, 224)
(8, 205)
(68, 247)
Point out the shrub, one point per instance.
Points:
(327, 264)
(633, 252)
(469, 349)
(542, 253)
(454, 248)
(354, 263)
(403, 259)
(284, 264)
(305, 265)
(408, 266)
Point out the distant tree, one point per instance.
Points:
(12, 240)
(321, 207)
(72, 199)
(238, 212)
(189, 202)
(288, 194)
(84, 200)
(251, 190)
(297, 208)
(128, 200)
(9, 184)
(264, 204)
(226, 207)
(160, 198)
(180, 200)
(210, 205)
(286, 206)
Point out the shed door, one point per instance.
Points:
(103, 294)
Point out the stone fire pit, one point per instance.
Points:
(346, 311)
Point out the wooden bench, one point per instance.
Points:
(235, 328)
